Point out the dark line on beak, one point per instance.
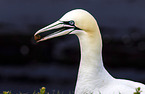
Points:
(52, 31)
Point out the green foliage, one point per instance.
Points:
(138, 90)
(6, 92)
(43, 91)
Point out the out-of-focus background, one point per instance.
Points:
(26, 66)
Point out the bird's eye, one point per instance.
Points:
(71, 22)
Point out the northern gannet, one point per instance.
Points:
(92, 78)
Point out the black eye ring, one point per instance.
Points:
(72, 23)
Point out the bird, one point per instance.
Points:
(92, 77)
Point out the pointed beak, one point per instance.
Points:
(53, 30)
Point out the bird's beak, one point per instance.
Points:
(55, 29)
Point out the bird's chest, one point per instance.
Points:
(85, 88)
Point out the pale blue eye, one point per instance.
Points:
(71, 22)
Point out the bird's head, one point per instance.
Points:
(74, 22)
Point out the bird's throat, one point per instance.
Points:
(91, 50)
(91, 71)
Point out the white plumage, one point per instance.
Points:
(92, 76)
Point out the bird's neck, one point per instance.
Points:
(91, 50)
(91, 71)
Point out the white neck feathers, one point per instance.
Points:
(92, 73)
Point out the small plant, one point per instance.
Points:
(42, 91)
(138, 90)
(6, 92)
